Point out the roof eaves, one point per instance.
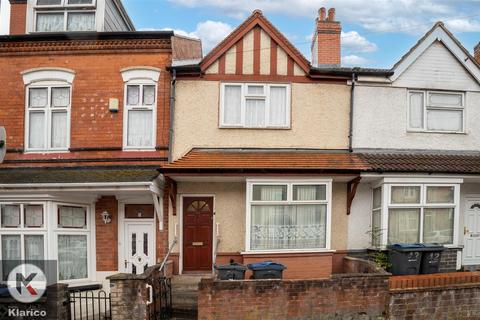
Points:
(73, 36)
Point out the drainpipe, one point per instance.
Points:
(352, 102)
(172, 108)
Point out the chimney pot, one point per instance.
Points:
(322, 14)
(331, 14)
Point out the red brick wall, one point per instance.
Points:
(341, 297)
(477, 52)
(299, 265)
(450, 302)
(18, 16)
(106, 234)
(97, 79)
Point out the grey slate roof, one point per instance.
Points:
(77, 175)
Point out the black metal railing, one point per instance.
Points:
(161, 299)
(89, 305)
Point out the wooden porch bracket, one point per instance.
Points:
(351, 191)
(172, 193)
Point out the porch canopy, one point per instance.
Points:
(82, 182)
(260, 161)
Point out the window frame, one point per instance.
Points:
(140, 107)
(289, 183)
(245, 96)
(64, 4)
(50, 232)
(427, 107)
(57, 230)
(48, 110)
(422, 205)
(65, 19)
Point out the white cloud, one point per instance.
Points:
(459, 25)
(410, 16)
(353, 42)
(354, 61)
(210, 32)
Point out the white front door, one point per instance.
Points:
(140, 246)
(471, 252)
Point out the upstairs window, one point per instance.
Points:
(48, 109)
(433, 111)
(251, 105)
(64, 15)
(140, 108)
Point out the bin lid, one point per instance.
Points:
(231, 266)
(416, 247)
(270, 265)
(434, 246)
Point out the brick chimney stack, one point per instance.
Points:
(326, 44)
(18, 17)
(476, 53)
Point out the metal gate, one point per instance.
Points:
(89, 305)
(160, 302)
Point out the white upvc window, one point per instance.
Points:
(72, 237)
(288, 215)
(23, 234)
(64, 15)
(436, 111)
(140, 108)
(255, 105)
(38, 231)
(418, 213)
(48, 117)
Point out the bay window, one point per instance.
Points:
(65, 15)
(251, 105)
(48, 113)
(418, 213)
(436, 111)
(288, 215)
(26, 229)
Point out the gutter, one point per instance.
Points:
(172, 110)
(352, 104)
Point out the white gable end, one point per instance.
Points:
(437, 68)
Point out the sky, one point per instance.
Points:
(376, 33)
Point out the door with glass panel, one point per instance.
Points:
(140, 247)
(471, 253)
(197, 233)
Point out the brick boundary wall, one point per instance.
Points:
(450, 302)
(358, 296)
(129, 293)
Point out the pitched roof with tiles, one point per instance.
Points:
(77, 175)
(237, 159)
(427, 162)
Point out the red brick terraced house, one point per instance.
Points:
(261, 168)
(85, 104)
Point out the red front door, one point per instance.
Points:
(197, 233)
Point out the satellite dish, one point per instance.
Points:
(3, 143)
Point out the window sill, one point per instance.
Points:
(85, 286)
(45, 151)
(146, 149)
(254, 128)
(436, 132)
(287, 251)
